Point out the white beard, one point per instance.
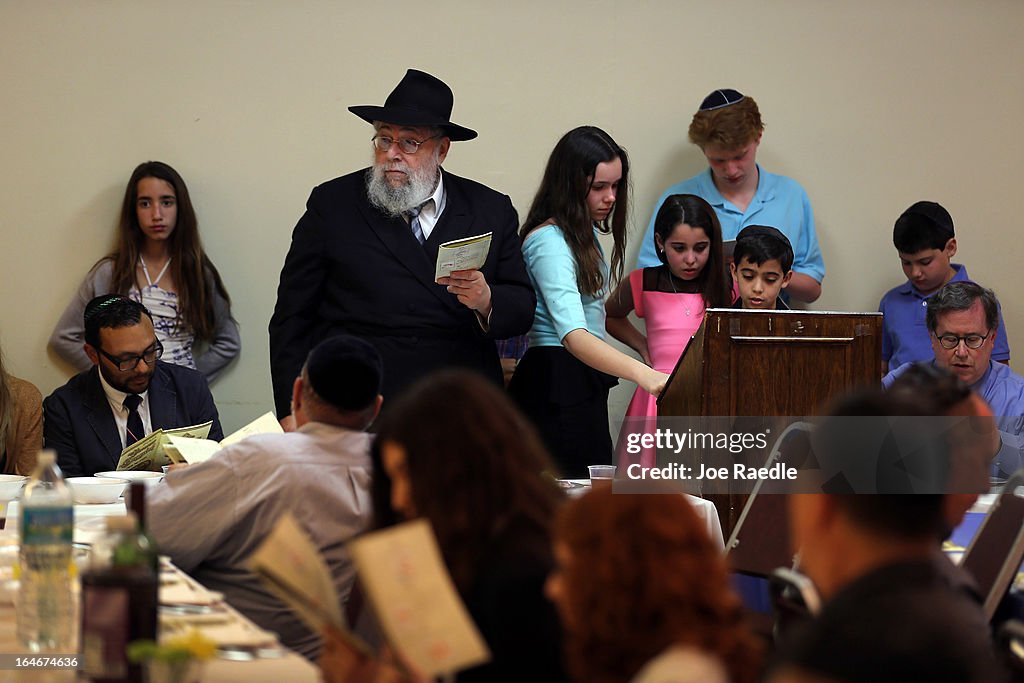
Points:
(394, 201)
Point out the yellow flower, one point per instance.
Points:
(195, 643)
(191, 645)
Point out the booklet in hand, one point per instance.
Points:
(405, 582)
(184, 450)
(187, 444)
(150, 452)
(469, 253)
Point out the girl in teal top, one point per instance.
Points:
(563, 380)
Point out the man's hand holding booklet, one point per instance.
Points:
(469, 253)
(187, 444)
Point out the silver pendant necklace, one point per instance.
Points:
(672, 281)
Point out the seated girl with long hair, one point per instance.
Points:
(159, 261)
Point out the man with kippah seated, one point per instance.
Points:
(128, 394)
(212, 516)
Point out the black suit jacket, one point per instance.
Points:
(351, 269)
(79, 425)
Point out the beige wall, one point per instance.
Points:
(871, 105)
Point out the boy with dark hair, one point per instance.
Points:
(762, 265)
(925, 240)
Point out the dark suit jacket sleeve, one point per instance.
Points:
(298, 296)
(513, 301)
(202, 407)
(207, 410)
(59, 435)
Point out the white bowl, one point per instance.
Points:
(147, 478)
(11, 485)
(88, 490)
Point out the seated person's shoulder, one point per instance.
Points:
(904, 621)
(181, 375)
(24, 393)
(85, 382)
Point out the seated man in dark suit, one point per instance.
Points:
(127, 395)
(893, 608)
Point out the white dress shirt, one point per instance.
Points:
(431, 210)
(116, 399)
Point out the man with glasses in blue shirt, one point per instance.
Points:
(362, 257)
(962, 319)
(125, 396)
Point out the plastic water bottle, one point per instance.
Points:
(45, 609)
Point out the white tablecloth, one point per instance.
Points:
(705, 510)
(88, 524)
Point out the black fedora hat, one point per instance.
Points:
(419, 100)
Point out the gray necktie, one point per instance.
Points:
(414, 222)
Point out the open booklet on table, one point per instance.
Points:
(406, 585)
(187, 444)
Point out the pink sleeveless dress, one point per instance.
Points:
(672, 320)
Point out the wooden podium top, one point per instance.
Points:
(750, 362)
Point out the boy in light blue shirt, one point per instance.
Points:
(728, 130)
(925, 239)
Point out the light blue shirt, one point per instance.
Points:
(561, 308)
(1003, 390)
(779, 202)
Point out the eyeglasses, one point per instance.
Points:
(126, 363)
(383, 143)
(971, 341)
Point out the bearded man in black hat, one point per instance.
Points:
(363, 255)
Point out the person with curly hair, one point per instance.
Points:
(644, 595)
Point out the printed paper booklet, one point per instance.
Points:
(405, 582)
(469, 253)
(187, 444)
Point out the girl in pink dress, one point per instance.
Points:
(671, 298)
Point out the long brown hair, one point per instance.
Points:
(475, 464)
(697, 213)
(562, 196)
(642, 576)
(190, 267)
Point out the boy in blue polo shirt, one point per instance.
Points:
(728, 129)
(924, 238)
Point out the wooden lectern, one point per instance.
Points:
(764, 363)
